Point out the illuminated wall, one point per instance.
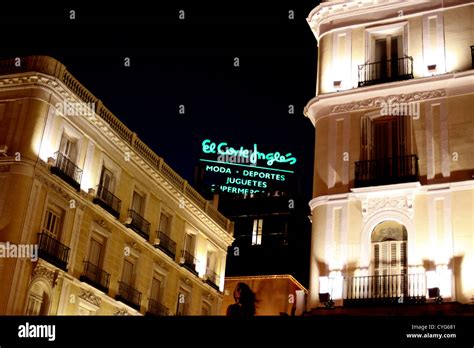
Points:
(436, 208)
(32, 124)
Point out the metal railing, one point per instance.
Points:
(108, 201)
(156, 308)
(166, 244)
(95, 276)
(139, 224)
(385, 71)
(385, 286)
(386, 171)
(129, 295)
(188, 260)
(212, 277)
(52, 67)
(67, 170)
(53, 251)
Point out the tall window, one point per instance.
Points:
(96, 251)
(38, 300)
(127, 272)
(189, 243)
(184, 299)
(164, 224)
(389, 257)
(206, 308)
(52, 222)
(257, 232)
(138, 203)
(385, 137)
(106, 183)
(68, 147)
(156, 288)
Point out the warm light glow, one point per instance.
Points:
(323, 285)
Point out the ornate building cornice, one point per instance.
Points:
(61, 83)
(377, 102)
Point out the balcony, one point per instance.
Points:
(51, 250)
(188, 261)
(95, 276)
(108, 201)
(165, 244)
(212, 278)
(385, 289)
(155, 308)
(67, 170)
(129, 295)
(385, 71)
(138, 224)
(386, 171)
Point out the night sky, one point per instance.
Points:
(186, 62)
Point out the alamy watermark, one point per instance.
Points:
(67, 108)
(411, 109)
(21, 251)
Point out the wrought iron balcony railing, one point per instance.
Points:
(53, 251)
(166, 244)
(385, 71)
(67, 170)
(156, 308)
(138, 224)
(108, 201)
(212, 278)
(128, 295)
(399, 288)
(188, 260)
(386, 171)
(95, 276)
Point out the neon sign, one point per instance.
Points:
(252, 155)
(243, 170)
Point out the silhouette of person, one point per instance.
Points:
(245, 302)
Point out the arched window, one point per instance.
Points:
(38, 301)
(389, 258)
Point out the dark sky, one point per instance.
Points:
(186, 62)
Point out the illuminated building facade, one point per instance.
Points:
(393, 189)
(117, 231)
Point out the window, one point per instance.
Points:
(52, 222)
(384, 137)
(95, 251)
(257, 232)
(38, 300)
(68, 147)
(164, 224)
(127, 272)
(206, 308)
(189, 243)
(211, 260)
(156, 288)
(184, 298)
(137, 203)
(106, 183)
(389, 258)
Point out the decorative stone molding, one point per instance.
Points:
(90, 297)
(41, 270)
(377, 102)
(121, 312)
(58, 189)
(373, 205)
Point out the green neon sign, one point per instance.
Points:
(252, 155)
